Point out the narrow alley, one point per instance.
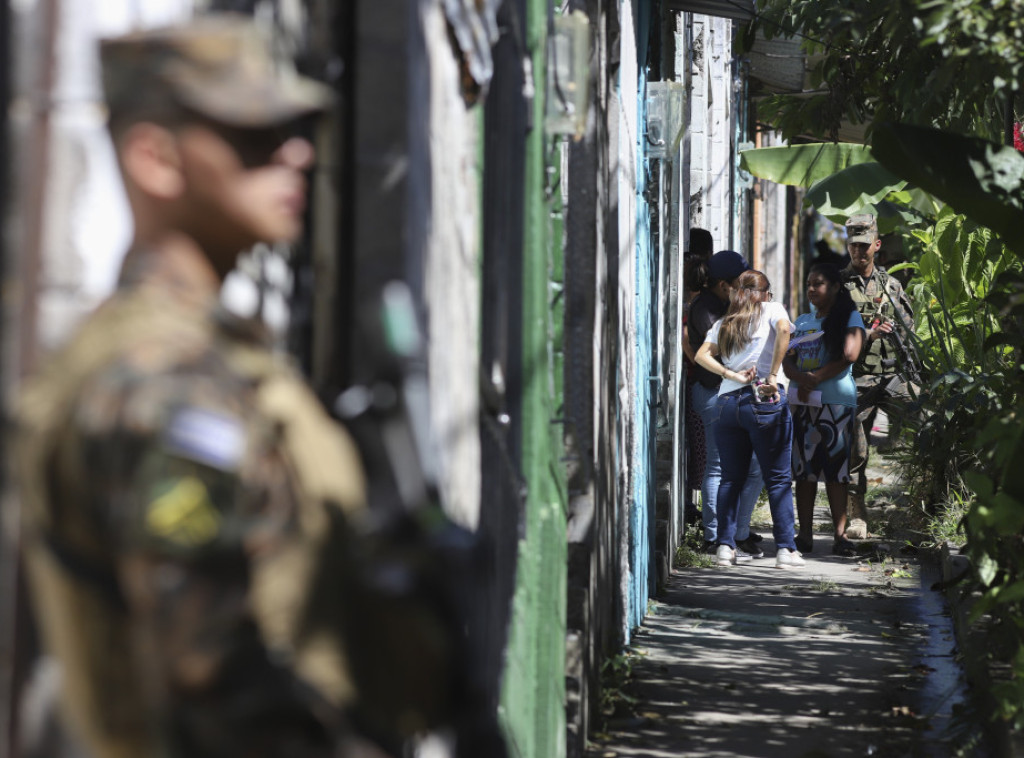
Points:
(500, 247)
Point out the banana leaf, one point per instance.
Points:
(802, 165)
(861, 188)
(981, 179)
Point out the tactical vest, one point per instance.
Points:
(874, 301)
(73, 579)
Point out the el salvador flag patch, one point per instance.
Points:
(206, 436)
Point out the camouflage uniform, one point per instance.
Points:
(185, 494)
(180, 485)
(878, 383)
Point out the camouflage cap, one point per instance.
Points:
(218, 65)
(861, 228)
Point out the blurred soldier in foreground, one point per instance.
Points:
(882, 370)
(183, 487)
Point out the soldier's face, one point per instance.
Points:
(246, 186)
(862, 254)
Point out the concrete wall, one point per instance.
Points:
(70, 213)
(771, 230)
(626, 179)
(452, 277)
(709, 134)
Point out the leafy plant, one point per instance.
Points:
(690, 552)
(977, 177)
(803, 165)
(949, 63)
(616, 678)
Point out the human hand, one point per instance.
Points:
(883, 328)
(769, 390)
(747, 375)
(803, 393)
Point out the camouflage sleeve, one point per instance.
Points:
(191, 490)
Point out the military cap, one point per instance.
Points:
(219, 66)
(861, 228)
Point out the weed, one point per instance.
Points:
(616, 678)
(824, 584)
(690, 553)
(946, 525)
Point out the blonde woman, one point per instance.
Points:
(746, 348)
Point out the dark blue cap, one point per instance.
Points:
(726, 265)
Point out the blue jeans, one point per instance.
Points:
(766, 429)
(706, 403)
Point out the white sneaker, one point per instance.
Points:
(742, 555)
(787, 558)
(725, 556)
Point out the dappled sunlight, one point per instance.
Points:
(751, 660)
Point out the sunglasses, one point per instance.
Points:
(255, 146)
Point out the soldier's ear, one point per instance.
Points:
(151, 161)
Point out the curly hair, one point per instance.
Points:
(740, 321)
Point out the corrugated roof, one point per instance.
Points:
(779, 63)
(738, 9)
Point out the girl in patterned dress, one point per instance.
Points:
(826, 342)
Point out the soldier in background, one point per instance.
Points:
(182, 485)
(880, 299)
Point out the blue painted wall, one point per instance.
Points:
(641, 517)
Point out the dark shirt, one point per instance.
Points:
(705, 310)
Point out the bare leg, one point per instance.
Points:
(837, 492)
(805, 494)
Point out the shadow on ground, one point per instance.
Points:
(834, 659)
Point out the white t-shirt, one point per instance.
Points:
(757, 352)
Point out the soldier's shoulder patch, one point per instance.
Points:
(206, 436)
(180, 512)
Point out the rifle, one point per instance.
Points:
(416, 662)
(907, 363)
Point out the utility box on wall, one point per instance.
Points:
(665, 118)
(568, 79)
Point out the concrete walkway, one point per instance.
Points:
(843, 657)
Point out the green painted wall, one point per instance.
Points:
(533, 696)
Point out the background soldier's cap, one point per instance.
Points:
(861, 228)
(219, 65)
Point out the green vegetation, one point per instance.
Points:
(954, 64)
(616, 678)
(690, 553)
(824, 584)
